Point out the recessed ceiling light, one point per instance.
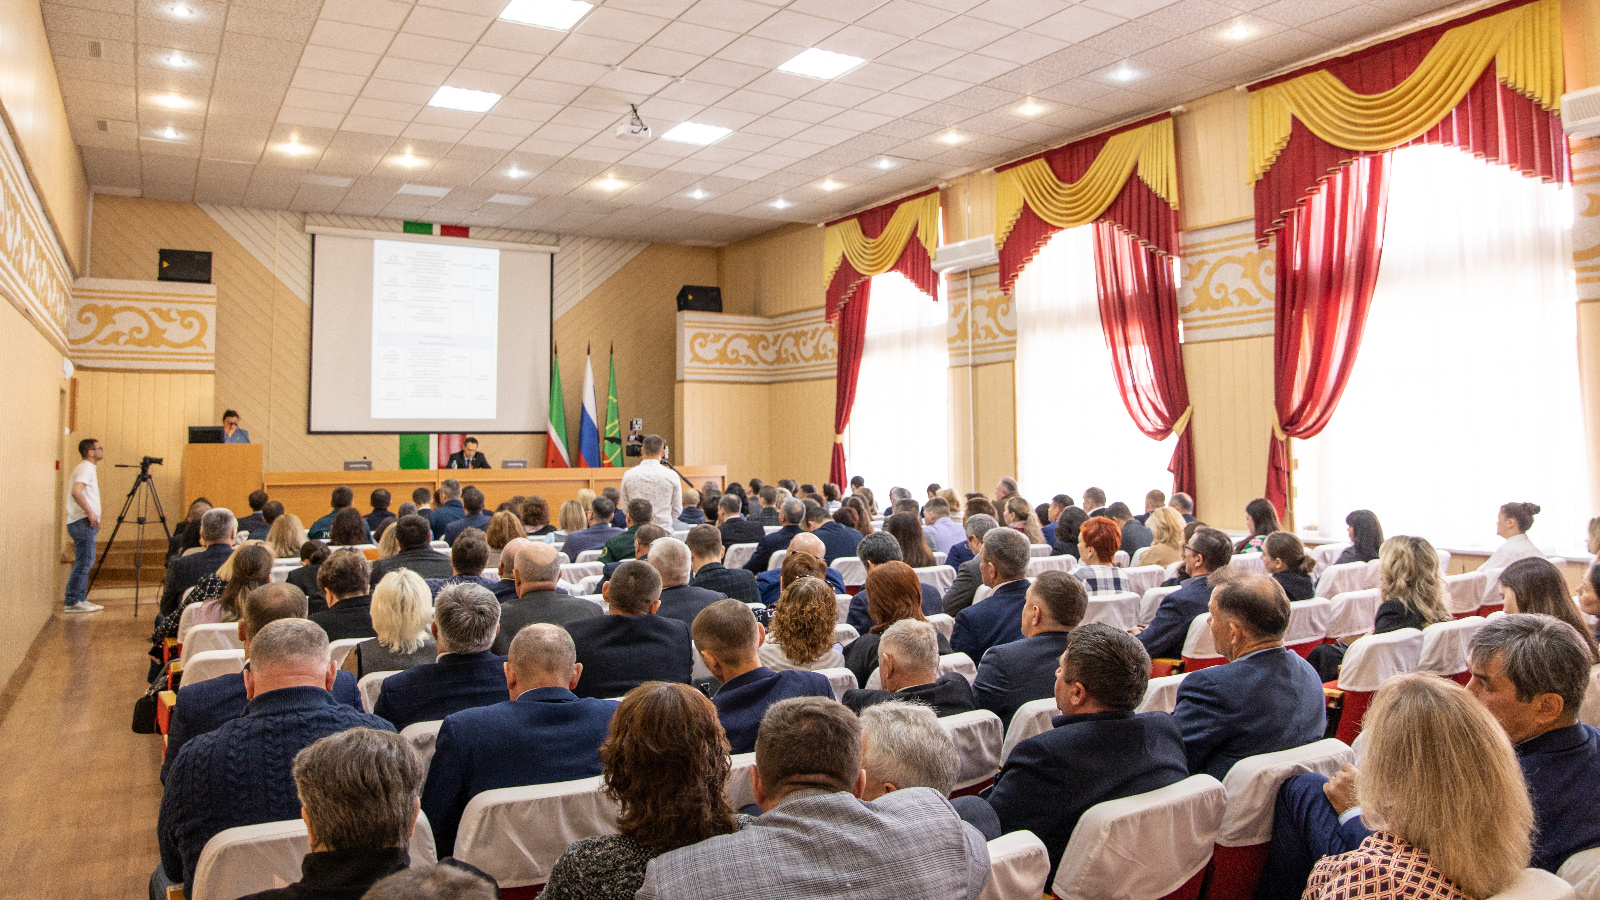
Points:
(1031, 108)
(181, 11)
(695, 133)
(422, 190)
(170, 101)
(611, 183)
(830, 185)
(409, 161)
(559, 15)
(515, 172)
(294, 147)
(512, 199)
(1240, 31)
(169, 133)
(781, 203)
(463, 99)
(822, 64)
(176, 60)
(1124, 72)
(697, 194)
(333, 181)
(885, 163)
(951, 137)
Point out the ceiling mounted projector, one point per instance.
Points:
(634, 128)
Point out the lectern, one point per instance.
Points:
(225, 474)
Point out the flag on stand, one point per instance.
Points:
(588, 429)
(555, 443)
(611, 456)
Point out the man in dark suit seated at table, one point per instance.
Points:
(727, 636)
(874, 550)
(631, 645)
(413, 535)
(535, 571)
(621, 546)
(466, 618)
(997, 619)
(908, 669)
(543, 734)
(679, 599)
(449, 509)
(475, 515)
(705, 557)
(341, 497)
(792, 513)
(1013, 674)
(734, 527)
(1098, 749)
(1207, 551)
(595, 536)
(345, 580)
(203, 707)
(255, 522)
(838, 540)
(380, 515)
(1266, 698)
(217, 529)
(770, 582)
(468, 456)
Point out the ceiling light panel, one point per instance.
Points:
(423, 190)
(463, 99)
(557, 15)
(696, 133)
(512, 199)
(823, 64)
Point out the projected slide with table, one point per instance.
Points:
(435, 315)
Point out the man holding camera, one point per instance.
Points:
(650, 480)
(83, 524)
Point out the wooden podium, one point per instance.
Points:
(225, 474)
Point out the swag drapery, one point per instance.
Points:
(1125, 182)
(1489, 84)
(895, 237)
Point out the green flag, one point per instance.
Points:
(555, 445)
(611, 438)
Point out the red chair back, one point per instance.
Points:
(1355, 709)
(1235, 871)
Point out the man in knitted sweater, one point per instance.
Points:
(243, 772)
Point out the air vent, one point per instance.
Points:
(94, 50)
(101, 125)
(1580, 113)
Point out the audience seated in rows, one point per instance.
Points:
(903, 746)
(412, 533)
(1016, 514)
(599, 530)
(504, 527)
(803, 620)
(349, 529)
(1066, 534)
(1286, 560)
(450, 508)
(1206, 552)
(249, 525)
(215, 534)
(734, 526)
(623, 546)
(1366, 537)
(402, 611)
(285, 535)
(770, 583)
(1010, 675)
(1184, 504)
(1512, 524)
(894, 593)
(1534, 585)
(969, 576)
(312, 555)
(379, 519)
(706, 553)
(876, 550)
(1411, 593)
(943, 532)
(219, 593)
(535, 572)
(344, 581)
(837, 540)
(1134, 534)
(468, 673)
(728, 639)
(1166, 538)
(906, 529)
(643, 537)
(679, 599)
(342, 498)
(1263, 518)
(908, 667)
(469, 554)
(793, 513)
(1099, 539)
(998, 618)
(692, 513)
(473, 515)
(631, 644)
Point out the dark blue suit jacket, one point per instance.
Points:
(837, 540)
(440, 518)
(770, 544)
(1267, 701)
(996, 620)
(684, 602)
(735, 583)
(742, 701)
(592, 538)
(478, 520)
(1050, 780)
(861, 619)
(1165, 634)
(1013, 674)
(432, 691)
(1562, 768)
(1049, 533)
(544, 736)
(619, 652)
(184, 572)
(203, 707)
(958, 554)
(768, 584)
(741, 531)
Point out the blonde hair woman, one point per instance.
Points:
(1166, 529)
(286, 536)
(585, 497)
(571, 518)
(1411, 593)
(1441, 785)
(801, 636)
(389, 544)
(402, 608)
(1019, 515)
(505, 527)
(951, 497)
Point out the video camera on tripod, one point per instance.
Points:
(144, 464)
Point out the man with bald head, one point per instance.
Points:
(631, 644)
(791, 514)
(670, 557)
(534, 573)
(769, 582)
(505, 590)
(545, 733)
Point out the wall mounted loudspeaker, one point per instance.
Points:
(185, 265)
(698, 298)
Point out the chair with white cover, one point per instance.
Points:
(240, 861)
(516, 834)
(943, 623)
(739, 789)
(338, 650)
(1249, 562)
(445, 547)
(949, 662)
(1492, 601)
(1030, 720)
(1143, 578)
(562, 559)
(1121, 560)
(1444, 648)
(1308, 624)
(1368, 663)
(938, 577)
(1353, 614)
(423, 736)
(280, 574)
(1326, 555)
(776, 562)
(1049, 564)
(939, 557)
(1041, 549)
(1119, 610)
(1356, 576)
(588, 585)
(978, 737)
(843, 602)
(840, 679)
(738, 555)
(1582, 871)
(1199, 647)
(844, 634)
(771, 528)
(1150, 603)
(208, 664)
(983, 591)
(186, 618)
(852, 571)
(1536, 884)
(217, 636)
(1018, 867)
(589, 556)
(1172, 570)
(370, 686)
(1246, 832)
(1161, 694)
(1144, 847)
(1464, 592)
(573, 573)
(1444, 560)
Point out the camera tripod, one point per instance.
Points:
(144, 493)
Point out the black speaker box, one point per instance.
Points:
(699, 298)
(185, 265)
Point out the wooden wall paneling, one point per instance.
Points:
(773, 273)
(983, 425)
(1230, 386)
(1213, 140)
(720, 423)
(800, 430)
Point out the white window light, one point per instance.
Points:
(695, 133)
(463, 99)
(558, 15)
(824, 64)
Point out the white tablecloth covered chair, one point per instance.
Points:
(1249, 562)
(1049, 564)
(841, 679)
(1199, 647)
(775, 562)
(1018, 866)
(1368, 663)
(589, 556)
(739, 789)
(338, 650)
(943, 623)
(516, 834)
(1308, 624)
(1353, 614)
(370, 686)
(1030, 720)
(218, 636)
(1326, 555)
(1536, 884)
(844, 634)
(1143, 578)
(251, 858)
(843, 601)
(738, 555)
(187, 616)
(1150, 603)
(852, 571)
(1252, 785)
(1582, 871)
(1161, 694)
(572, 573)
(423, 736)
(1464, 592)
(1492, 601)
(1121, 560)
(208, 664)
(1444, 648)
(1145, 846)
(938, 577)
(978, 737)
(1041, 549)
(1356, 576)
(1119, 610)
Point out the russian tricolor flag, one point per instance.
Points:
(588, 428)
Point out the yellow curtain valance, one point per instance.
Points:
(1524, 44)
(875, 256)
(1148, 151)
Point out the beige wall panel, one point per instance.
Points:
(1580, 42)
(719, 423)
(968, 207)
(983, 426)
(135, 414)
(1213, 139)
(1230, 386)
(31, 532)
(799, 430)
(773, 273)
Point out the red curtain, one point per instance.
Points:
(1139, 314)
(852, 333)
(1328, 255)
(913, 263)
(445, 445)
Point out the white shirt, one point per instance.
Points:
(86, 473)
(1516, 547)
(652, 481)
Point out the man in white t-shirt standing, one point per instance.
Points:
(650, 480)
(83, 524)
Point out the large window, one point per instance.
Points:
(899, 431)
(1464, 394)
(1073, 430)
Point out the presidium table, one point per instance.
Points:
(225, 474)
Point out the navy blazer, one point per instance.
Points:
(478, 520)
(458, 460)
(1562, 768)
(321, 528)
(1052, 779)
(684, 602)
(184, 572)
(861, 619)
(203, 707)
(440, 518)
(958, 554)
(741, 531)
(1165, 634)
(592, 538)
(692, 516)
(348, 618)
(837, 539)
(621, 652)
(768, 583)
(253, 523)
(949, 695)
(996, 620)
(376, 519)
(1262, 702)
(743, 700)
(735, 583)
(1013, 674)
(770, 544)
(534, 607)
(544, 736)
(1049, 532)
(431, 691)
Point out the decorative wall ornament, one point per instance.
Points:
(1586, 219)
(799, 346)
(1227, 285)
(152, 325)
(33, 271)
(984, 323)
